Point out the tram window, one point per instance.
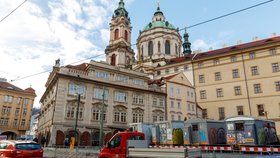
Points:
(195, 127)
(239, 126)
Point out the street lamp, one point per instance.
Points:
(73, 140)
(101, 121)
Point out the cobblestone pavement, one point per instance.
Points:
(68, 153)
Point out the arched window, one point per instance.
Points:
(113, 59)
(137, 115)
(120, 114)
(141, 54)
(159, 47)
(116, 34)
(150, 48)
(167, 47)
(126, 36)
(96, 113)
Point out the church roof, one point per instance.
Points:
(155, 24)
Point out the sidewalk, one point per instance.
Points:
(68, 153)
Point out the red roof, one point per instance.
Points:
(160, 82)
(81, 67)
(169, 77)
(238, 47)
(157, 82)
(6, 85)
(29, 90)
(224, 50)
(180, 59)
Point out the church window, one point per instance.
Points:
(116, 34)
(176, 49)
(159, 47)
(150, 48)
(167, 47)
(126, 35)
(113, 59)
(141, 54)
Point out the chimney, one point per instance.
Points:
(239, 42)
(197, 51)
(273, 34)
(255, 38)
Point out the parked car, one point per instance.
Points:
(19, 148)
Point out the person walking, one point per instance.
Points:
(66, 141)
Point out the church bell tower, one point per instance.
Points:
(119, 52)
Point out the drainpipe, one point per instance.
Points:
(194, 83)
(246, 83)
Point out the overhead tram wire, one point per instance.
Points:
(12, 11)
(216, 18)
(200, 23)
(219, 17)
(21, 78)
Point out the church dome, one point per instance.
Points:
(158, 21)
(159, 40)
(155, 24)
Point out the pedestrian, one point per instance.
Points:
(43, 141)
(35, 139)
(66, 141)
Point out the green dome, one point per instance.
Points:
(155, 24)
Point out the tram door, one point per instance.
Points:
(239, 133)
(195, 137)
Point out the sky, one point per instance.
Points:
(41, 31)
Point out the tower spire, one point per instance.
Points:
(121, 11)
(158, 15)
(186, 44)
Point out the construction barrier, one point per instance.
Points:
(260, 149)
(269, 149)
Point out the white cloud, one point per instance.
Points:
(38, 33)
(200, 44)
(105, 35)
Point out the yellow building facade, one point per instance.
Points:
(240, 80)
(16, 109)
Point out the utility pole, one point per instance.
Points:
(74, 140)
(101, 121)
